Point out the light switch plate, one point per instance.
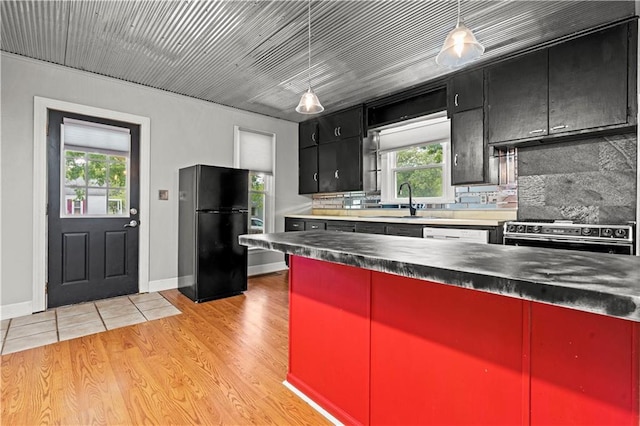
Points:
(163, 194)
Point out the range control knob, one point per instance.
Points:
(587, 231)
(536, 229)
(520, 228)
(607, 232)
(621, 233)
(511, 228)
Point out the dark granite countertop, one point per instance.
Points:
(606, 284)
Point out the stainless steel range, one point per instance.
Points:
(616, 239)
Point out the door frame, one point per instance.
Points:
(41, 107)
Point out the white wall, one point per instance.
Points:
(184, 131)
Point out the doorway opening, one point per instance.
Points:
(42, 106)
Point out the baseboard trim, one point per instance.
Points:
(160, 285)
(16, 310)
(171, 283)
(312, 403)
(266, 268)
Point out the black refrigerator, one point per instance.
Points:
(212, 212)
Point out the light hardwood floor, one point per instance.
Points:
(220, 362)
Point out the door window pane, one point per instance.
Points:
(97, 201)
(117, 171)
(117, 203)
(94, 176)
(75, 168)
(97, 169)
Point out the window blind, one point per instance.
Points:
(433, 129)
(256, 151)
(93, 135)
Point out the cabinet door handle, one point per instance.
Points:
(339, 130)
(315, 177)
(313, 136)
(335, 131)
(536, 131)
(455, 99)
(562, 126)
(455, 160)
(336, 175)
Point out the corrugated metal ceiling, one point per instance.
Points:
(252, 55)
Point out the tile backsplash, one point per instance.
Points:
(588, 181)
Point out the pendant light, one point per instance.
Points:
(460, 47)
(309, 103)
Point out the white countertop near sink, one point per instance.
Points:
(419, 220)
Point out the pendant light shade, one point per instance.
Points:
(309, 103)
(460, 47)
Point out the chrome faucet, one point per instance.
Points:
(412, 210)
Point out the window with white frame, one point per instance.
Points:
(255, 151)
(418, 153)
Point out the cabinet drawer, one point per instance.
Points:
(293, 225)
(370, 228)
(314, 225)
(341, 226)
(405, 230)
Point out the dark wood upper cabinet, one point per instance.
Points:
(330, 153)
(466, 91)
(308, 133)
(308, 170)
(467, 148)
(408, 107)
(341, 125)
(517, 98)
(583, 85)
(588, 81)
(340, 165)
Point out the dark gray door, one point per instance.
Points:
(93, 200)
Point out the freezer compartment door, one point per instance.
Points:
(222, 261)
(222, 188)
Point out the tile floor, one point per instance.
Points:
(69, 322)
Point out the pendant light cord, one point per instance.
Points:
(309, 40)
(458, 23)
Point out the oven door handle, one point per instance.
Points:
(572, 241)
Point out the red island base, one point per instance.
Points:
(376, 348)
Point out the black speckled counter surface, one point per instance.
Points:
(605, 284)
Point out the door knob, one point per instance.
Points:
(133, 210)
(131, 224)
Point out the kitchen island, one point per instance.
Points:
(402, 330)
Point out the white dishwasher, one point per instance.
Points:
(466, 235)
